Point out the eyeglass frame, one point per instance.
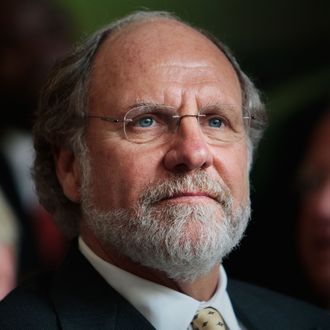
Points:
(126, 120)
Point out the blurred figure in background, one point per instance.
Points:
(8, 247)
(33, 35)
(313, 224)
(291, 209)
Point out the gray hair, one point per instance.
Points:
(64, 103)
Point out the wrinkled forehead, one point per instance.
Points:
(142, 45)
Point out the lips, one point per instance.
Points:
(189, 194)
(194, 188)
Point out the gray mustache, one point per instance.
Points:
(182, 183)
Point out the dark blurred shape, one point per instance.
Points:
(287, 247)
(8, 245)
(313, 218)
(33, 35)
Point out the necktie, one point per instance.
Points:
(208, 319)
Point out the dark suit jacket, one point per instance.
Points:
(77, 297)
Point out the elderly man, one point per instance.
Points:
(144, 143)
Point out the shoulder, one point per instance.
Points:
(262, 306)
(28, 307)
(75, 296)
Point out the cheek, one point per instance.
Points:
(232, 168)
(121, 176)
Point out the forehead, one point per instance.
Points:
(159, 51)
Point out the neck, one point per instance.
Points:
(201, 289)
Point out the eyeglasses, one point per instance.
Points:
(146, 123)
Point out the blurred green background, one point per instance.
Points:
(283, 45)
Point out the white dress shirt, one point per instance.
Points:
(163, 307)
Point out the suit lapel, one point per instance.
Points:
(83, 300)
(259, 309)
(246, 309)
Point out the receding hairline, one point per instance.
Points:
(124, 36)
(124, 30)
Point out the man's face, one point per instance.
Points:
(162, 63)
(314, 219)
(168, 64)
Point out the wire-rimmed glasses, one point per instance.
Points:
(146, 123)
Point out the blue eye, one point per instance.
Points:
(215, 122)
(145, 121)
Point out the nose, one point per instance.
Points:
(188, 150)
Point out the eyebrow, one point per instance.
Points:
(221, 107)
(150, 106)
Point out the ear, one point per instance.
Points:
(68, 174)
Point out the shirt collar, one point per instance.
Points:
(163, 307)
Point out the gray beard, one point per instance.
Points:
(183, 240)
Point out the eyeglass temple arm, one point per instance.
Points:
(109, 119)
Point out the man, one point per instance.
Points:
(144, 144)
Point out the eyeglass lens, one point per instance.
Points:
(143, 124)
